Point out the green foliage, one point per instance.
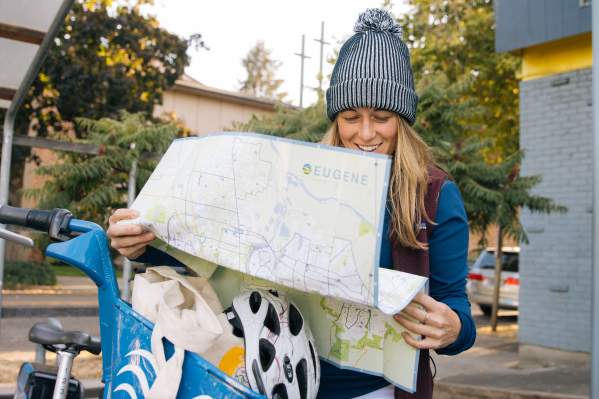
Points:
(67, 270)
(17, 274)
(306, 124)
(105, 60)
(452, 46)
(469, 110)
(261, 70)
(93, 186)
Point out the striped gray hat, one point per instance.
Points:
(373, 69)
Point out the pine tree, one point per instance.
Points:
(494, 195)
(261, 70)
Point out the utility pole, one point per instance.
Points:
(322, 44)
(303, 56)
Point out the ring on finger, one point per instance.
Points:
(425, 317)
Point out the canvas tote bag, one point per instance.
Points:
(184, 310)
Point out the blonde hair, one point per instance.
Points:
(409, 181)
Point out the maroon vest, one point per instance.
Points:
(416, 262)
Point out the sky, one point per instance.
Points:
(231, 28)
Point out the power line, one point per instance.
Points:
(322, 44)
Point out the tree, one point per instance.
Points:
(494, 196)
(93, 186)
(261, 70)
(306, 124)
(107, 58)
(512, 194)
(454, 41)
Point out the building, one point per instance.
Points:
(553, 39)
(204, 109)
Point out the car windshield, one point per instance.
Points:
(509, 261)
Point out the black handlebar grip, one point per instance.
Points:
(15, 216)
(39, 219)
(54, 222)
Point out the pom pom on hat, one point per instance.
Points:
(375, 19)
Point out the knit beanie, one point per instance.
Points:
(373, 69)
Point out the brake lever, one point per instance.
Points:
(17, 238)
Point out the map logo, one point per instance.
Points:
(339, 175)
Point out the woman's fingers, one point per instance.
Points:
(435, 321)
(130, 241)
(122, 214)
(418, 328)
(432, 336)
(416, 312)
(123, 230)
(133, 252)
(425, 300)
(427, 343)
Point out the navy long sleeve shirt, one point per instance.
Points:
(448, 252)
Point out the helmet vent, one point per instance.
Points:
(272, 320)
(296, 322)
(313, 357)
(279, 392)
(255, 301)
(258, 377)
(267, 353)
(301, 372)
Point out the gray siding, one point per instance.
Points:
(524, 23)
(555, 268)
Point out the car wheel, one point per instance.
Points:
(486, 309)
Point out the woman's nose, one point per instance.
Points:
(366, 132)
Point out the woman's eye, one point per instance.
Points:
(381, 119)
(351, 118)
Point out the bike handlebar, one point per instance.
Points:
(55, 222)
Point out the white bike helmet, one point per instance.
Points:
(280, 357)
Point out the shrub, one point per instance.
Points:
(28, 273)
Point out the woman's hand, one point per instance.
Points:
(129, 240)
(435, 321)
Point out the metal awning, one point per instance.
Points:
(27, 30)
(23, 26)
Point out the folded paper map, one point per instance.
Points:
(300, 215)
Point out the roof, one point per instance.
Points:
(521, 24)
(187, 84)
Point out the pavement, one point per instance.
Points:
(491, 369)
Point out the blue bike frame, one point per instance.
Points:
(128, 367)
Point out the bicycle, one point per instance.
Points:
(128, 365)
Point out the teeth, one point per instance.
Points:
(368, 148)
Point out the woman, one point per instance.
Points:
(372, 104)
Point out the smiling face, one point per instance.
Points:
(368, 129)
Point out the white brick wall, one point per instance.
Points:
(555, 268)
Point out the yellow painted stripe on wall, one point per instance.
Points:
(557, 57)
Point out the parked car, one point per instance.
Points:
(481, 279)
